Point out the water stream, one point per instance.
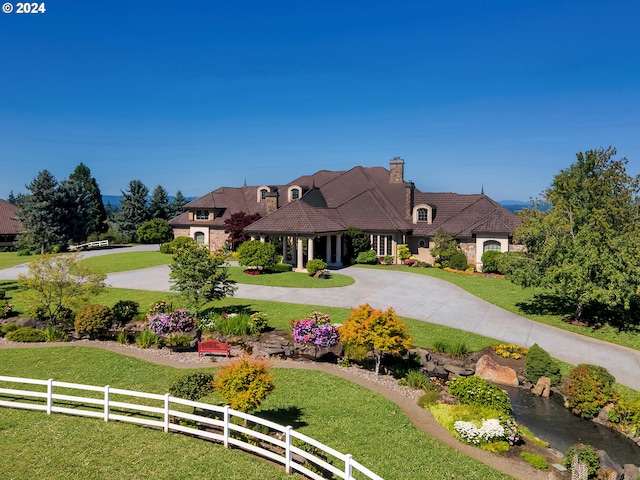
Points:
(548, 419)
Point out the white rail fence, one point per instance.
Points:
(283, 445)
(101, 243)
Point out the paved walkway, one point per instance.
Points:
(422, 298)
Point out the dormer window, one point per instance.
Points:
(422, 214)
(294, 192)
(202, 215)
(262, 193)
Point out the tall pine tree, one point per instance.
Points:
(93, 211)
(177, 206)
(134, 210)
(41, 214)
(159, 206)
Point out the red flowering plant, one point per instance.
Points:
(316, 330)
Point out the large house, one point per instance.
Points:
(312, 213)
(9, 225)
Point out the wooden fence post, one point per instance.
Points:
(287, 452)
(106, 403)
(49, 395)
(166, 411)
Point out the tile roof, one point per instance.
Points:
(9, 224)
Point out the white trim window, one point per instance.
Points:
(491, 246)
(422, 214)
(199, 238)
(202, 215)
(382, 244)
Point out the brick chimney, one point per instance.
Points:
(396, 170)
(270, 202)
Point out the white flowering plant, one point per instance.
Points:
(491, 430)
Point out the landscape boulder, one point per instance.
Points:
(489, 370)
(543, 387)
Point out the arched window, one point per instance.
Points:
(423, 215)
(422, 243)
(263, 194)
(491, 245)
(199, 238)
(295, 194)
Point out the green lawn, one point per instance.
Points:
(121, 262)
(345, 416)
(289, 279)
(518, 300)
(11, 259)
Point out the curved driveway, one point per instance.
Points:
(422, 298)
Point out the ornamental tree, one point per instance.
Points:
(257, 254)
(199, 276)
(377, 331)
(583, 239)
(245, 383)
(57, 281)
(235, 225)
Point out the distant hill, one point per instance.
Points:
(514, 205)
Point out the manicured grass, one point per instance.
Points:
(11, 259)
(343, 415)
(289, 279)
(121, 262)
(516, 299)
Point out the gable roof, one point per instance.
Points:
(9, 225)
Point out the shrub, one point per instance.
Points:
(257, 323)
(540, 364)
(156, 230)
(589, 389)
(178, 340)
(626, 413)
(55, 334)
(315, 265)
(388, 260)
(476, 391)
(586, 454)
(369, 257)
(6, 309)
(159, 307)
(535, 460)
(245, 383)
(3, 293)
(282, 268)
(355, 352)
(122, 338)
(316, 329)
(7, 328)
(166, 323)
(491, 261)
(147, 338)
(93, 319)
(509, 350)
(458, 261)
(26, 334)
(468, 432)
(403, 252)
(125, 310)
(193, 386)
(174, 245)
(257, 254)
(417, 379)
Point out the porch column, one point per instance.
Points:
(309, 249)
(300, 259)
(327, 253)
(285, 243)
(339, 250)
(252, 237)
(294, 250)
(262, 238)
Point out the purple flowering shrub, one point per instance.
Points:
(316, 330)
(166, 323)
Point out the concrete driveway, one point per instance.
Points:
(422, 298)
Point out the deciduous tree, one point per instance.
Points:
(156, 230)
(444, 247)
(257, 254)
(235, 225)
(586, 246)
(377, 331)
(56, 281)
(199, 276)
(245, 383)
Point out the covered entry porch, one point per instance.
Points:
(298, 249)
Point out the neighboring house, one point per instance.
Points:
(9, 225)
(312, 213)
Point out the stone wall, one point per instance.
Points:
(217, 239)
(180, 232)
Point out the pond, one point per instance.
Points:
(548, 419)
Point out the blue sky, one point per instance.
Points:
(197, 95)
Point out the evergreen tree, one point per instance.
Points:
(92, 212)
(159, 206)
(40, 213)
(177, 206)
(134, 210)
(12, 199)
(74, 202)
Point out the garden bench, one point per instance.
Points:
(213, 346)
